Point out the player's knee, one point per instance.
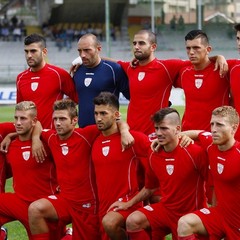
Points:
(111, 222)
(134, 221)
(36, 209)
(185, 225)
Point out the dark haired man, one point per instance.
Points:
(204, 89)
(77, 200)
(42, 83)
(116, 170)
(179, 172)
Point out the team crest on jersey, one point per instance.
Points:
(34, 86)
(141, 76)
(198, 82)
(169, 169)
(26, 155)
(64, 150)
(105, 151)
(87, 81)
(220, 168)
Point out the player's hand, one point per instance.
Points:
(118, 205)
(76, 63)
(155, 145)
(185, 140)
(127, 140)
(38, 151)
(134, 63)
(222, 65)
(5, 144)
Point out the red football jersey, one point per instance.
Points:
(150, 88)
(116, 171)
(74, 165)
(204, 91)
(44, 87)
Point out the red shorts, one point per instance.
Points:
(85, 223)
(13, 208)
(162, 221)
(124, 213)
(215, 224)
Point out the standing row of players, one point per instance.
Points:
(150, 81)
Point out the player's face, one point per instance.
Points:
(34, 55)
(89, 52)
(166, 131)
(197, 52)
(105, 118)
(222, 130)
(24, 123)
(63, 123)
(238, 40)
(142, 48)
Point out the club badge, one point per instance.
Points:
(34, 86)
(220, 168)
(64, 150)
(141, 76)
(105, 151)
(26, 155)
(198, 82)
(170, 169)
(87, 81)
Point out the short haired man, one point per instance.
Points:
(42, 83)
(222, 220)
(203, 87)
(234, 69)
(116, 170)
(94, 76)
(40, 179)
(179, 173)
(77, 201)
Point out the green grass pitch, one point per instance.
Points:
(15, 229)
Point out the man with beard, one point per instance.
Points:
(94, 76)
(42, 83)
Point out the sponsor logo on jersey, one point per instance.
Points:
(26, 155)
(198, 82)
(87, 81)
(149, 208)
(141, 76)
(86, 205)
(52, 197)
(169, 169)
(105, 151)
(205, 211)
(220, 168)
(64, 150)
(34, 86)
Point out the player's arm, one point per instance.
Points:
(221, 64)
(76, 63)
(38, 150)
(6, 142)
(144, 194)
(127, 139)
(185, 140)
